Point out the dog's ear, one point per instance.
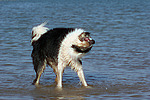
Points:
(84, 36)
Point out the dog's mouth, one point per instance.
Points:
(81, 49)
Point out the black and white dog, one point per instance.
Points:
(59, 47)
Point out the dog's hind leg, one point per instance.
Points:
(39, 70)
(54, 67)
(38, 75)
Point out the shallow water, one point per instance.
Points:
(118, 66)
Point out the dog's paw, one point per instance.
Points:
(58, 88)
(88, 87)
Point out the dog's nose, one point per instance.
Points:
(92, 42)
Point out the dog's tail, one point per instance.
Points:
(37, 31)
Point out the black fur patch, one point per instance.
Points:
(47, 46)
(81, 49)
(80, 61)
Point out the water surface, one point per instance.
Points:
(118, 66)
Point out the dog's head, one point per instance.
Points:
(84, 44)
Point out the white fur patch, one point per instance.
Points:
(66, 52)
(37, 31)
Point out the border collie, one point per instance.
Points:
(58, 48)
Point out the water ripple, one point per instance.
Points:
(116, 68)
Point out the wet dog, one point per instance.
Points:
(58, 48)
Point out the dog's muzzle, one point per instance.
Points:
(81, 49)
(91, 42)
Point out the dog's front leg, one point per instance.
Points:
(81, 77)
(59, 75)
(59, 78)
(77, 66)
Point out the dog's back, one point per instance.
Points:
(49, 43)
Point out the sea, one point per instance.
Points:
(117, 67)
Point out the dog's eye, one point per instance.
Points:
(86, 35)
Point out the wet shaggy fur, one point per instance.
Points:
(47, 47)
(58, 48)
